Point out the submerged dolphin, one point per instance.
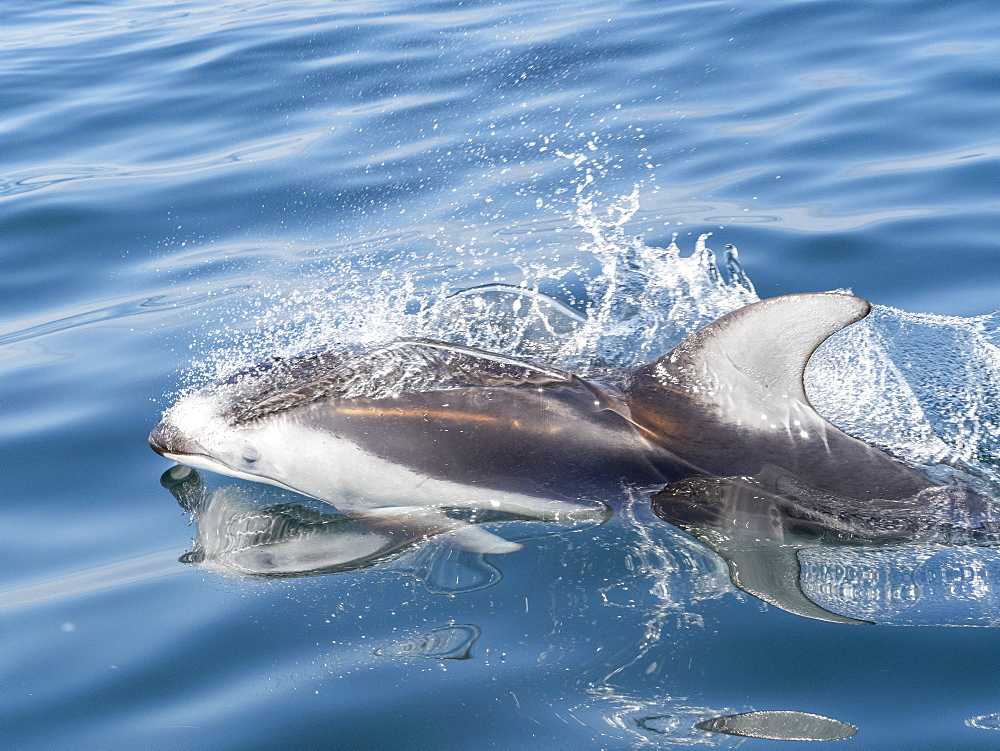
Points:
(399, 432)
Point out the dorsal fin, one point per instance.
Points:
(763, 347)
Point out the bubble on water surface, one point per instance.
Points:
(919, 584)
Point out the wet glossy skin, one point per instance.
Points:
(727, 402)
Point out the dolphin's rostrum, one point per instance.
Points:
(395, 434)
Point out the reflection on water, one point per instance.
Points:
(915, 584)
(241, 533)
(985, 722)
(848, 560)
(238, 535)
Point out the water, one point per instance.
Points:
(188, 187)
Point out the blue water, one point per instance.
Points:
(189, 186)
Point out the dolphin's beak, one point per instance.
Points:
(168, 441)
(158, 440)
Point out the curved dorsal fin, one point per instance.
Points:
(763, 347)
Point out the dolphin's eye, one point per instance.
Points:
(250, 455)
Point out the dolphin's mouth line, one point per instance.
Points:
(180, 458)
(207, 462)
(204, 460)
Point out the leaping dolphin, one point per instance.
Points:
(395, 434)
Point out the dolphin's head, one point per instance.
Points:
(205, 429)
(249, 425)
(198, 431)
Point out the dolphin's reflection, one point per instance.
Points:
(790, 545)
(916, 561)
(238, 535)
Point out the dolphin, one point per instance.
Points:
(398, 433)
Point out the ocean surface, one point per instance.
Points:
(190, 187)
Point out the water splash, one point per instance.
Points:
(923, 387)
(646, 299)
(641, 301)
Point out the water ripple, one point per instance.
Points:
(45, 176)
(117, 310)
(106, 576)
(981, 153)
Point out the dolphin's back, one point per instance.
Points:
(473, 417)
